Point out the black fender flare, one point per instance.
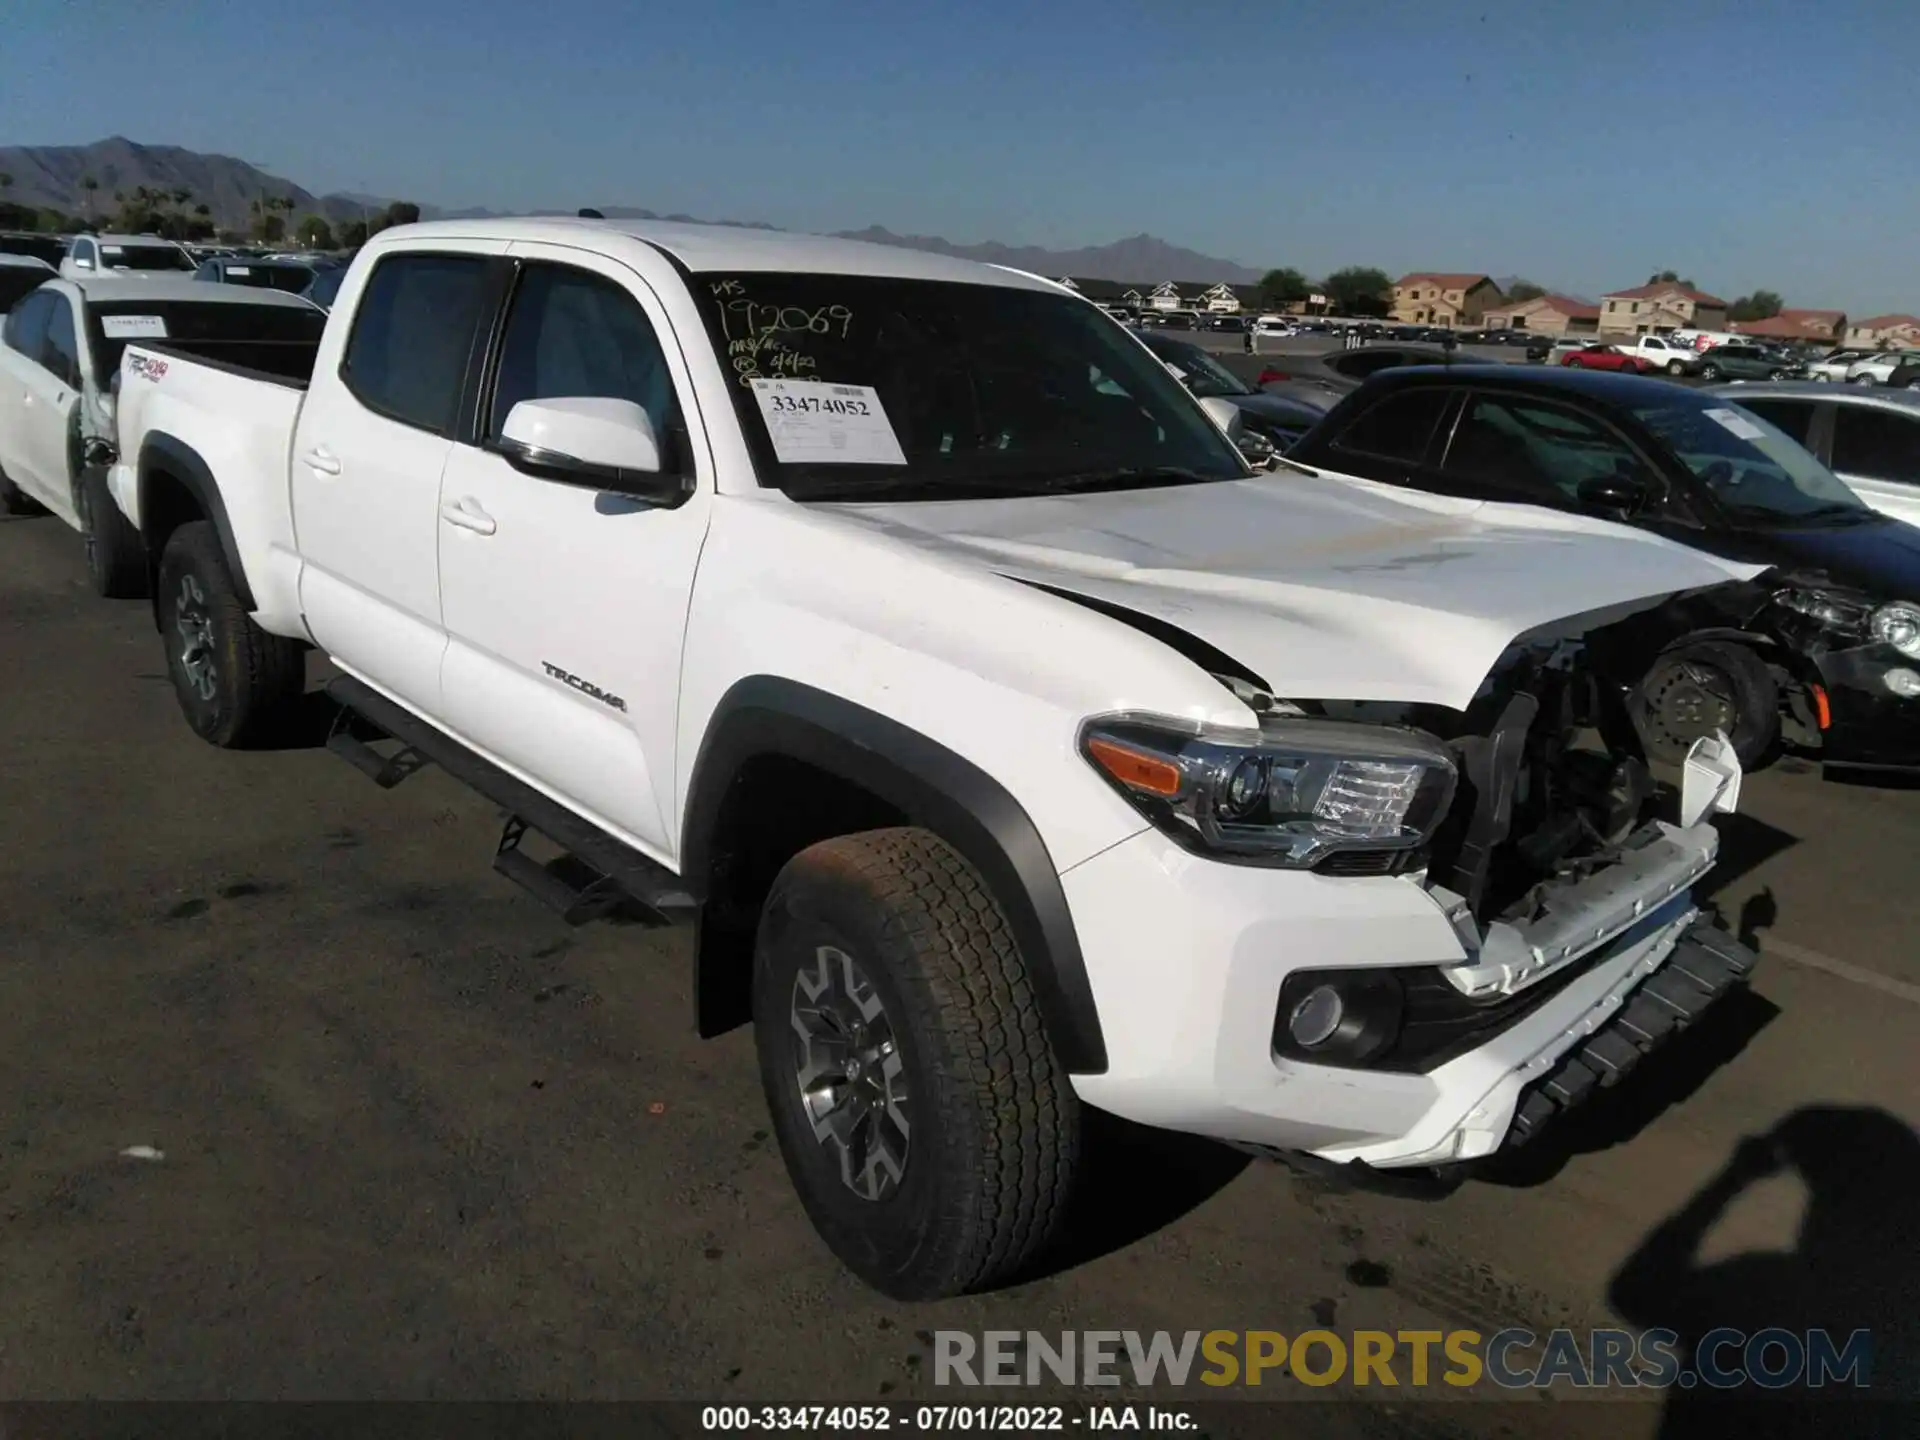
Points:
(933, 787)
(160, 451)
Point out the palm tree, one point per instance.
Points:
(89, 184)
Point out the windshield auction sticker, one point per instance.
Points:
(133, 327)
(814, 423)
(1734, 421)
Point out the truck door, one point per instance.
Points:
(49, 402)
(372, 439)
(566, 607)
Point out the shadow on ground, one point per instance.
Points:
(1854, 1267)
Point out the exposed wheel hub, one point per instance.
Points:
(193, 625)
(1690, 701)
(849, 1071)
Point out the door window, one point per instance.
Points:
(1793, 418)
(1876, 444)
(573, 334)
(61, 352)
(26, 327)
(412, 334)
(1398, 427)
(1538, 451)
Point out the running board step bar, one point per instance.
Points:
(613, 870)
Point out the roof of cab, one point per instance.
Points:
(119, 289)
(25, 262)
(716, 249)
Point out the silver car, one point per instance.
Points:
(1870, 438)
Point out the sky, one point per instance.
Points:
(1745, 144)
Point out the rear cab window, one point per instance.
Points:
(413, 331)
(1793, 418)
(1876, 444)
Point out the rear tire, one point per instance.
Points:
(116, 558)
(234, 681)
(1676, 367)
(1709, 371)
(927, 1126)
(1703, 686)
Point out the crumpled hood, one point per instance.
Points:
(1328, 587)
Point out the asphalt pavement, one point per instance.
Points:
(298, 1100)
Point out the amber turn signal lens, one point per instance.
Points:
(1133, 767)
(1822, 713)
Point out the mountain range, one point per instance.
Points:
(52, 176)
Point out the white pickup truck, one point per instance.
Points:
(1663, 352)
(904, 623)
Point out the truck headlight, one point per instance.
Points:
(1290, 794)
(1898, 625)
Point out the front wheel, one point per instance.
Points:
(924, 1119)
(1863, 379)
(233, 680)
(1676, 367)
(1696, 689)
(1709, 372)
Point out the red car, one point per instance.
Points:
(1607, 357)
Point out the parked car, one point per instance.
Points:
(1568, 345)
(1606, 357)
(1740, 360)
(20, 276)
(1278, 419)
(1835, 364)
(1877, 368)
(1663, 353)
(1905, 375)
(50, 250)
(858, 716)
(1822, 649)
(1869, 438)
(1343, 370)
(292, 276)
(59, 373)
(142, 256)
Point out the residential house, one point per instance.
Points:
(1659, 308)
(1807, 327)
(1546, 315)
(1167, 296)
(1885, 332)
(1450, 301)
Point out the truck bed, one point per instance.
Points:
(279, 362)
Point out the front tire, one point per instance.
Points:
(1709, 371)
(116, 559)
(1695, 689)
(925, 1121)
(233, 680)
(1676, 367)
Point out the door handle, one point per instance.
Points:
(469, 516)
(321, 461)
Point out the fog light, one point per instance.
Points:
(1903, 683)
(1316, 1018)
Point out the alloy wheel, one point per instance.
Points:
(1690, 700)
(193, 625)
(850, 1074)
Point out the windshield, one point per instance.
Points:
(1753, 468)
(861, 386)
(288, 277)
(145, 257)
(1205, 376)
(205, 324)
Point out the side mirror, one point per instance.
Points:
(594, 442)
(79, 264)
(1615, 495)
(1226, 415)
(1256, 448)
(98, 453)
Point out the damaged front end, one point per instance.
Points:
(1558, 855)
(1855, 667)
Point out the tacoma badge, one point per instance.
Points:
(585, 687)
